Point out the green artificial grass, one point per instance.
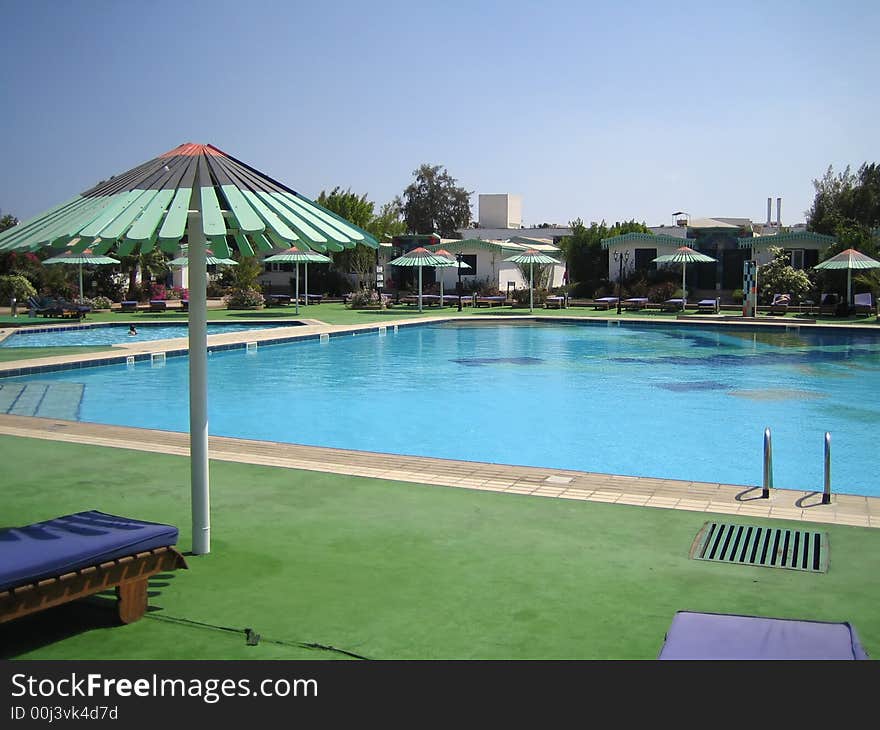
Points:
(9, 354)
(390, 570)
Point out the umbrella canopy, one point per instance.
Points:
(684, 256)
(532, 257)
(210, 260)
(451, 263)
(200, 192)
(849, 260)
(420, 257)
(84, 257)
(294, 255)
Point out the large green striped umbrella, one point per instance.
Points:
(297, 256)
(420, 257)
(532, 257)
(200, 192)
(84, 257)
(849, 260)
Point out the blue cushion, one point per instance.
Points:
(64, 544)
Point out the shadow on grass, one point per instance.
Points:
(40, 629)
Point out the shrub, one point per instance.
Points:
(366, 298)
(778, 277)
(99, 302)
(521, 296)
(663, 291)
(243, 299)
(15, 285)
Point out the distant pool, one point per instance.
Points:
(657, 400)
(114, 334)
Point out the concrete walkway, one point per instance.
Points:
(742, 501)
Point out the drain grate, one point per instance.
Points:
(770, 547)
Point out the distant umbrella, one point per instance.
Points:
(452, 262)
(684, 256)
(849, 260)
(532, 257)
(86, 257)
(294, 255)
(210, 260)
(420, 257)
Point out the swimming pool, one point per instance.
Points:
(676, 402)
(114, 334)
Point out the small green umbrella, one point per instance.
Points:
(684, 256)
(452, 262)
(849, 260)
(210, 260)
(295, 255)
(420, 257)
(86, 257)
(532, 257)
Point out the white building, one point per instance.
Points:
(500, 211)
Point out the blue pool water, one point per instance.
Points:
(647, 400)
(113, 334)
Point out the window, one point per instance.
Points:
(797, 258)
(471, 260)
(645, 259)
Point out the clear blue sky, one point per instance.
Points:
(599, 111)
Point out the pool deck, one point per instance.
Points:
(740, 500)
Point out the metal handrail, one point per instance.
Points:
(768, 465)
(826, 494)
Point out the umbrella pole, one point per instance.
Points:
(440, 274)
(296, 293)
(306, 283)
(198, 383)
(80, 282)
(420, 288)
(684, 268)
(849, 288)
(531, 287)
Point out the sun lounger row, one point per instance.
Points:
(60, 308)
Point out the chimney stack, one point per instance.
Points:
(769, 211)
(778, 214)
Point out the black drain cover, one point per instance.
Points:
(770, 547)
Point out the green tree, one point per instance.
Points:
(355, 209)
(149, 264)
(434, 203)
(586, 260)
(847, 206)
(7, 221)
(361, 259)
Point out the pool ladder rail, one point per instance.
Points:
(768, 467)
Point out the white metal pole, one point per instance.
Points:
(297, 287)
(531, 286)
(80, 281)
(683, 284)
(198, 380)
(306, 283)
(420, 288)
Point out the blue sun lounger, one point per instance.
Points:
(49, 563)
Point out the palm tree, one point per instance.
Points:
(152, 263)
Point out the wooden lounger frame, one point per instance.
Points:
(129, 575)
